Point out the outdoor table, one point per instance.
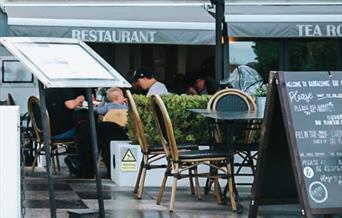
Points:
(230, 120)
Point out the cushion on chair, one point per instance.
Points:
(155, 148)
(197, 154)
(187, 146)
(118, 116)
(180, 147)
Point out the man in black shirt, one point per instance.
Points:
(61, 104)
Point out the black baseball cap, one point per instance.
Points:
(141, 73)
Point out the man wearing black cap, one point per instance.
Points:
(146, 80)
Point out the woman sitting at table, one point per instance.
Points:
(116, 101)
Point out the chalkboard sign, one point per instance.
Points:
(310, 104)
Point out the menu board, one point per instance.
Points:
(315, 103)
(62, 62)
(300, 151)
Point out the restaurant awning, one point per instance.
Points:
(152, 23)
(286, 20)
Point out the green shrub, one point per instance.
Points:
(188, 127)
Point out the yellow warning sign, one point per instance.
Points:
(128, 157)
(128, 162)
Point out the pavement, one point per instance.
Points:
(73, 194)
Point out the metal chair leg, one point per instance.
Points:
(230, 187)
(208, 185)
(137, 182)
(173, 194)
(192, 189)
(163, 184)
(57, 160)
(33, 166)
(198, 188)
(141, 184)
(53, 160)
(217, 191)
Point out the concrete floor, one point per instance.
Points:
(80, 194)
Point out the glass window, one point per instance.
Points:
(260, 54)
(314, 55)
(241, 52)
(296, 55)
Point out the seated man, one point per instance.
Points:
(146, 80)
(60, 103)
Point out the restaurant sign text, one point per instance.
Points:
(311, 30)
(117, 36)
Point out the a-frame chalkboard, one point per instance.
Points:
(300, 154)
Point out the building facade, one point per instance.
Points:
(178, 37)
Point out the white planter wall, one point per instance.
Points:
(154, 177)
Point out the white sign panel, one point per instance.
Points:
(64, 62)
(14, 72)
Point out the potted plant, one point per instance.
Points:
(260, 97)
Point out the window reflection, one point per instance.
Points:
(314, 55)
(262, 55)
(241, 52)
(287, 54)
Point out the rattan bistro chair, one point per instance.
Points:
(34, 110)
(180, 162)
(118, 116)
(151, 154)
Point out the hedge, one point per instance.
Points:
(188, 127)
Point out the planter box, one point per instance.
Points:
(125, 162)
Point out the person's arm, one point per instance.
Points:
(191, 91)
(102, 109)
(73, 103)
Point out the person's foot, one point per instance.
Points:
(71, 165)
(82, 171)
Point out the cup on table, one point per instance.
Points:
(99, 98)
(85, 104)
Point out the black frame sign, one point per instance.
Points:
(14, 72)
(301, 146)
